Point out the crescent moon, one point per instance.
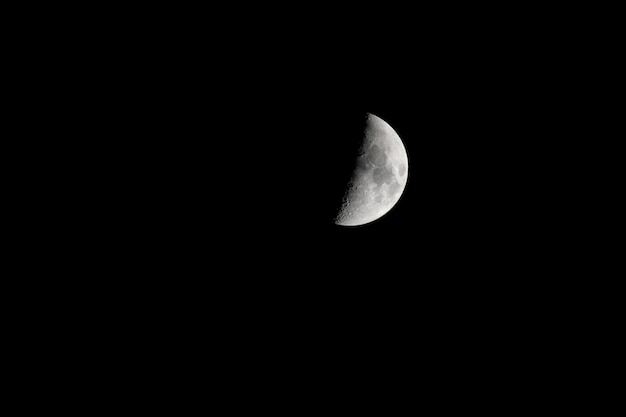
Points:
(379, 178)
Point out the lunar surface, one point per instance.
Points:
(379, 177)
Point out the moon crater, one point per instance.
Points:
(383, 176)
(377, 156)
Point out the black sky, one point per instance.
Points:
(251, 131)
(237, 154)
(221, 152)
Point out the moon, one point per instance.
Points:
(379, 177)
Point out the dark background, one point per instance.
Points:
(235, 148)
(186, 165)
(223, 150)
(260, 145)
(242, 167)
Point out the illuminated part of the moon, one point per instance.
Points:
(379, 178)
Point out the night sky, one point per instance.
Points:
(239, 153)
(247, 166)
(205, 242)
